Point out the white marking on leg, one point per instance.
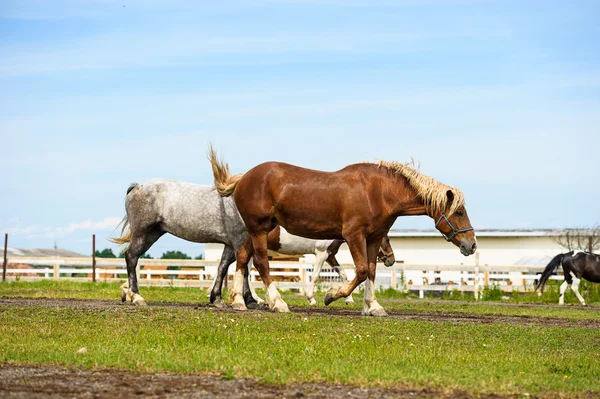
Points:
(254, 294)
(563, 288)
(371, 306)
(275, 301)
(236, 297)
(138, 300)
(124, 291)
(575, 288)
(368, 297)
(310, 291)
(344, 277)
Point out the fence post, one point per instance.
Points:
(5, 253)
(393, 279)
(486, 276)
(56, 268)
(94, 258)
(476, 290)
(302, 278)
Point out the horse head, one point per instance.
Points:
(456, 227)
(386, 253)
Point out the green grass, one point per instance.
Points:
(284, 348)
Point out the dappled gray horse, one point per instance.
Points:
(190, 211)
(199, 214)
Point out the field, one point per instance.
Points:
(76, 339)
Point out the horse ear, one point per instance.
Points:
(450, 196)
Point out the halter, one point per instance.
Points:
(454, 230)
(382, 257)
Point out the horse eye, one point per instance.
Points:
(459, 213)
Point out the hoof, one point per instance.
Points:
(379, 312)
(139, 302)
(218, 303)
(312, 302)
(281, 308)
(238, 306)
(328, 298)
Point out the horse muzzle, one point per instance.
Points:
(468, 247)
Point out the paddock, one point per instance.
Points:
(72, 338)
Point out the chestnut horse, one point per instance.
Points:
(358, 203)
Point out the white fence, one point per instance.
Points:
(289, 275)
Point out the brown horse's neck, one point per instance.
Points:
(401, 197)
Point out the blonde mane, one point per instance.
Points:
(431, 191)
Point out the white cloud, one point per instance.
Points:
(37, 231)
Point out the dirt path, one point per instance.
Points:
(316, 311)
(20, 382)
(33, 382)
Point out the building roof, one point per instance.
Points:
(42, 252)
(480, 233)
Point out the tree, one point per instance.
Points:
(105, 253)
(174, 255)
(579, 239)
(199, 257)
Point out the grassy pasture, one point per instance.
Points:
(506, 358)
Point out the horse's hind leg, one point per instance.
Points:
(139, 244)
(310, 291)
(243, 256)
(227, 258)
(575, 288)
(342, 273)
(563, 289)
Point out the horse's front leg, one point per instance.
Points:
(342, 273)
(358, 249)
(371, 306)
(251, 298)
(261, 262)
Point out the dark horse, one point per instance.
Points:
(576, 265)
(358, 204)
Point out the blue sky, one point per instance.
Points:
(498, 98)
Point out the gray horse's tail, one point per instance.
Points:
(224, 182)
(125, 237)
(554, 263)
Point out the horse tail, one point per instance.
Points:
(125, 237)
(554, 263)
(224, 182)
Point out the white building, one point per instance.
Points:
(428, 247)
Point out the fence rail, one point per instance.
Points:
(289, 275)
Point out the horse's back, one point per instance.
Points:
(190, 211)
(589, 264)
(300, 198)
